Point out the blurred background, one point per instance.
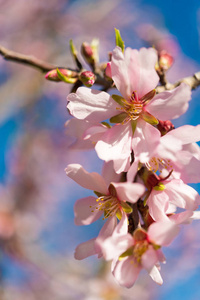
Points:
(37, 231)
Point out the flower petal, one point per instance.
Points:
(128, 191)
(92, 105)
(170, 104)
(134, 71)
(115, 143)
(162, 233)
(92, 181)
(155, 275)
(85, 211)
(182, 195)
(126, 271)
(85, 249)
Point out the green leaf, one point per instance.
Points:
(106, 124)
(159, 187)
(65, 78)
(118, 39)
(118, 118)
(74, 53)
(126, 208)
(133, 126)
(128, 252)
(118, 99)
(98, 194)
(147, 117)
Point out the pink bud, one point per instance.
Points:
(165, 126)
(87, 78)
(165, 60)
(108, 72)
(52, 75)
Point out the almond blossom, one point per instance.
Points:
(130, 254)
(110, 198)
(177, 153)
(135, 112)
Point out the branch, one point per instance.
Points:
(26, 59)
(192, 81)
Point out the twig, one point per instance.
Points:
(192, 81)
(26, 59)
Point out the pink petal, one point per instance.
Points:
(92, 105)
(162, 233)
(129, 192)
(126, 271)
(109, 174)
(133, 170)
(188, 167)
(158, 205)
(118, 242)
(182, 195)
(92, 181)
(149, 259)
(134, 71)
(85, 249)
(187, 134)
(170, 104)
(85, 211)
(114, 246)
(155, 275)
(105, 232)
(145, 140)
(182, 218)
(115, 143)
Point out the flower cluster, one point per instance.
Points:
(143, 194)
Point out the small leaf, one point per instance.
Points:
(118, 99)
(133, 126)
(119, 214)
(65, 78)
(126, 208)
(118, 39)
(118, 118)
(106, 124)
(98, 194)
(147, 117)
(159, 187)
(128, 252)
(148, 96)
(74, 53)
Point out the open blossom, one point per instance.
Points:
(134, 112)
(167, 195)
(130, 254)
(176, 153)
(110, 200)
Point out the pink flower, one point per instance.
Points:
(167, 195)
(176, 152)
(135, 112)
(110, 201)
(130, 253)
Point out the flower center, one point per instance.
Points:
(139, 249)
(109, 204)
(132, 107)
(156, 164)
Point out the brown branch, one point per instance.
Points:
(26, 59)
(192, 81)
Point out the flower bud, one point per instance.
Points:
(165, 126)
(165, 60)
(53, 75)
(90, 52)
(108, 73)
(87, 78)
